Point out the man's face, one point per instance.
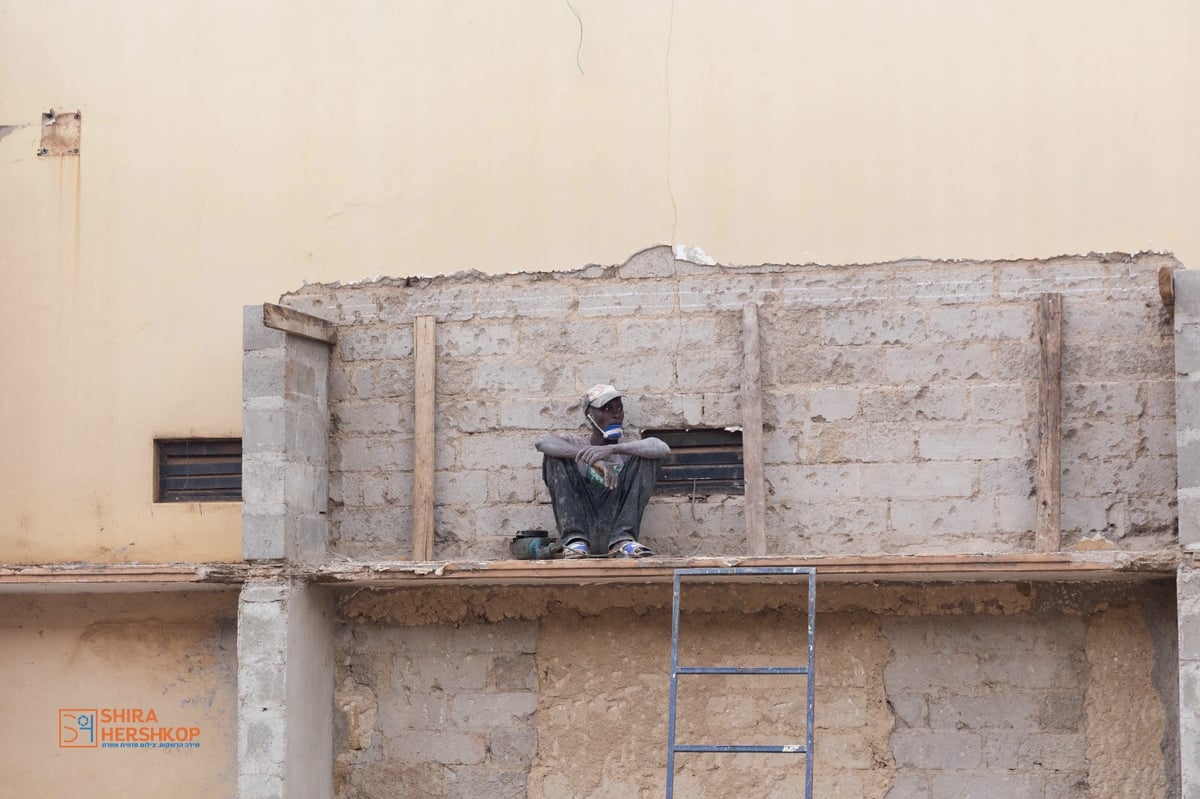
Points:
(612, 412)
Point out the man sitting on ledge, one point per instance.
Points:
(599, 485)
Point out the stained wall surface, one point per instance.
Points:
(232, 152)
(1019, 690)
(112, 656)
(899, 400)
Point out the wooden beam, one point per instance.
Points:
(298, 324)
(1048, 567)
(424, 374)
(1049, 463)
(752, 434)
(1166, 285)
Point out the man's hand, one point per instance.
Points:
(594, 456)
(594, 453)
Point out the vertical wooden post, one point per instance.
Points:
(752, 433)
(1049, 460)
(424, 373)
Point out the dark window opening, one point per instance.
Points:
(198, 470)
(702, 461)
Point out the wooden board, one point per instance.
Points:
(752, 434)
(424, 463)
(1049, 464)
(300, 324)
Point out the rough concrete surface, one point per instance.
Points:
(899, 400)
(922, 692)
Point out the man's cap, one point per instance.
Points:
(598, 396)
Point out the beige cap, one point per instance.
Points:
(598, 396)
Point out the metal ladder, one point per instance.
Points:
(807, 669)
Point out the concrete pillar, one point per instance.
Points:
(1187, 404)
(1187, 427)
(285, 443)
(285, 691)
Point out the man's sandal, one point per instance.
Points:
(630, 549)
(575, 549)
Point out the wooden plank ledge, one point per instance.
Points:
(1059, 567)
(1038, 567)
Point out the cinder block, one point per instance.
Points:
(944, 285)
(263, 536)
(263, 373)
(793, 363)
(726, 292)
(455, 673)
(798, 484)
(446, 303)
(1000, 403)
(437, 746)
(467, 782)
(538, 299)
(264, 431)
(1011, 321)
(918, 480)
(973, 442)
(862, 444)
(1009, 786)
(621, 299)
(572, 337)
(1029, 280)
(1007, 476)
(1113, 399)
(374, 343)
(1018, 749)
(1011, 710)
(910, 710)
(477, 340)
(1120, 319)
(720, 370)
(931, 363)
(256, 335)
(367, 417)
(513, 746)
(1187, 297)
(833, 404)
(491, 451)
(874, 326)
(941, 751)
(933, 671)
(493, 709)
(938, 518)
(923, 403)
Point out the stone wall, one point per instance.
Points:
(922, 692)
(900, 400)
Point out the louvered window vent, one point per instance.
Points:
(199, 470)
(702, 461)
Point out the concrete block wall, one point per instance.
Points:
(1187, 400)
(922, 692)
(285, 691)
(900, 400)
(436, 710)
(285, 444)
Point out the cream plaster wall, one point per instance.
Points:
(232, 151)
(171, 653)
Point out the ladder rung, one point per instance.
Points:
(742, 670)
(786, 749)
